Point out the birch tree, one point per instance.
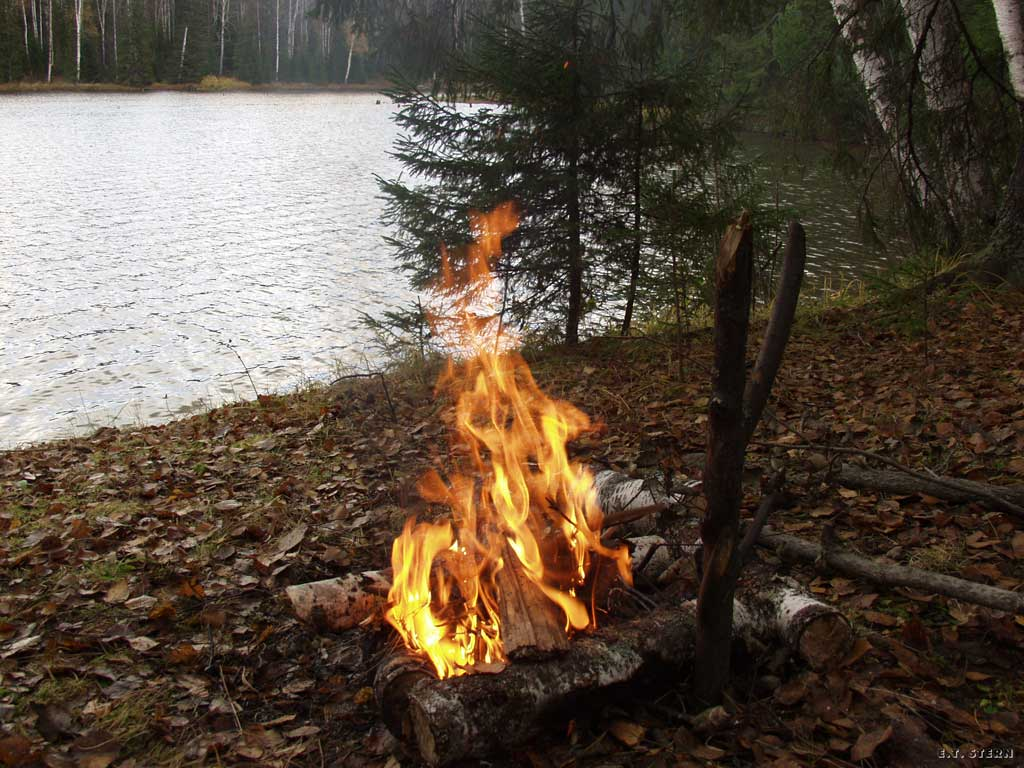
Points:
(1010, 20)
(223, 20)
(78, 39)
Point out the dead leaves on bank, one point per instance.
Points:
(141, 571)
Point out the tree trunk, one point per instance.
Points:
(351, 47)
(49, 46)
(223, 21)
(184, 45)
(78, 40)
(1004, 257)
(24, 22)
(873, 66)
(966, 181)
(277, 41)
(723, 474)
(113, 29)
(101, 22)
(1010, 19)
(634, 265)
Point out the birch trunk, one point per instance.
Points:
(184, 44)
(24, 22)
(49, 45)
(113, 29)
(1010, 19)
(37, 32)
(223, 20)
(351, 46)
(277, 42)
(967, 184)
(873, 65)
(78, 40)
(101, 22)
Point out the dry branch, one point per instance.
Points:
(890, 575)
(532, 627)
(723, 471)
(776, 335)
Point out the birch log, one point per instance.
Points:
(342, 603)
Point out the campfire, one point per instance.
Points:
(510, 579)
(525, 521)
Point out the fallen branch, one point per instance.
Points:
(624, 499)
(341, 603)
(1008, 499)
(890, 575)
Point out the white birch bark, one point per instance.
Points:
(522, 15)
(78, 40)
(24, 22)
(181, 62)
(1010, 19)
(49, 46)
(351, 46)
(277, 41)
(37, 30)
(223, 20)
(873, 66)
(113, 30)
(101, 21)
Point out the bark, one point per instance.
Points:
(948, 489)
(776, 335)
(223, 21)
(723, 475)
(78, 40)
(478, 715)
(623, 499)
(49, 46)
(1004, 256)
(101, 21)
(1010, 20)
(277, 40)
(817, 632)
(113, 29)
(351, 47)
(184, 44)
(24, 23)
(890, 575)
(634, 264)
(342, 603)
(532, 627)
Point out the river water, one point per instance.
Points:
(147, 238)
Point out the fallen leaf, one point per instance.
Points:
(96, 749)
(228, 505)
(118, 592)
(302, 731)
(183, 654)
(143, 644)
(869, 742)
(16, 751)
(626, 732)
(291, 539)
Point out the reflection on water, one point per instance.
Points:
(142, 234)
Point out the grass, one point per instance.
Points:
(216, 83)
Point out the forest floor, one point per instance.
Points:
(142, 619)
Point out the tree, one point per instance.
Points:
(581, 129)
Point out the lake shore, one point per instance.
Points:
(215, 85)
(163, 551)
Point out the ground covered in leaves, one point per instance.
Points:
(142, 621)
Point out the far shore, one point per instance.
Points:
(207, 85)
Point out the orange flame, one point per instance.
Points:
(523, 490)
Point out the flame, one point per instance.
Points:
(521, 495)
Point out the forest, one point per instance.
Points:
(611, 482)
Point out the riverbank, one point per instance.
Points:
(141, 570)
(209, 84)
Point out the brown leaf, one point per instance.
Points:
(869, 742)
(118, 592)
(96, 749)
(626, 732)
(183, 654)
(228, 505)
(16, 751)
(291, 539)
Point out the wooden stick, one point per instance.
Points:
(889, 575)
(532, 627)
(776, 335)
(723, 472)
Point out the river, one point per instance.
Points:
(150, 241)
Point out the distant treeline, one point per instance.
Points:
(174, 41)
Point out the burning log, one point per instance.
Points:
(342, 603)
(476, 715)
(532, 627)
(347, 601)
